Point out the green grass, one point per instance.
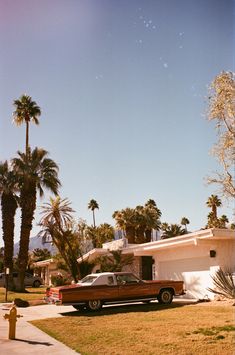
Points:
(146, 329)
(33, 294)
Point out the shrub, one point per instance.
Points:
(58, 280)
(224, 284)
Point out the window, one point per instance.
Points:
(110, 280)
(127, 279)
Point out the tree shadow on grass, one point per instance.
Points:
(127, 308)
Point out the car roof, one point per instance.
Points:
(111, 273)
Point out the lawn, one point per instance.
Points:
(147, 329)
(33, 294)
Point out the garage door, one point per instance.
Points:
(194, 272)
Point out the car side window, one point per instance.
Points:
(110, 280)
(127, 280)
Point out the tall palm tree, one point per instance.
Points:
(152, 215)
(184, 222)
(93, 205)
(213, 202)
(8, 189)
(26, 111)
(36, 172)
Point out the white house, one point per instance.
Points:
(193, 258)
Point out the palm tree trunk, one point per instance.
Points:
(27, 140)
(9, 206)
(93, 211)
(28, 206)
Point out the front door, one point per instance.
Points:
(147, 263)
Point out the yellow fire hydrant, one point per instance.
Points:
(12, 318)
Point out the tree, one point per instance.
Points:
(222, 110)
(172, 230)
(138, 222)
(26, 111)
(114, 262)
(101, 234)
(126, 221)
(36, 172)
(184, 222)
(39, 254)
(58, 226)
(223, 220)
(152, 216)
(213, 202)
(1, 259)
(93, 205)
(8, 190)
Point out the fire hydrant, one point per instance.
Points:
(12, 318)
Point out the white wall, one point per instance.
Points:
(193, 264)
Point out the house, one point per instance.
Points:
(193, 258)
(46, 269)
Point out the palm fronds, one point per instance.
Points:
(224, 284)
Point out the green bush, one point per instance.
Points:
(58, 280)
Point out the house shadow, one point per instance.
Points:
(127, 308)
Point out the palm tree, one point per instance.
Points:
(92, 205)
(115, 261)
(36, 171)
(213, 202)
(126, 221)
(223, 220)
(57, 211)
(57, 226)
(152, 216)
(172, 230)
(8, 189)
(184, 222)
(26, 111)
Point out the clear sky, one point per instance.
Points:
(122, 86)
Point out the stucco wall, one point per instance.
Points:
(194, 265)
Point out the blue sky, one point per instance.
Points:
(122, 86)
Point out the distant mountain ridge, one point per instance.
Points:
(34, 243)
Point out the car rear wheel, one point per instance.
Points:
(94, 305)
(36, 283)
(165, 296)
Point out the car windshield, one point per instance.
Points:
(88, 279)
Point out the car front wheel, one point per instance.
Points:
(165, 296)
(94, 305)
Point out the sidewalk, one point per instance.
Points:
(29, 339)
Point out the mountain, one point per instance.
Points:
(34, 243)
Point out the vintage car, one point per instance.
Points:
(96, 290)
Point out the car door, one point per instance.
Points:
(133, 289)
